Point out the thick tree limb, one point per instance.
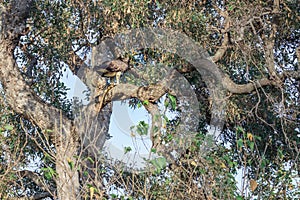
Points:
(18, 94)
(23, 100)
(270, 61)
(149, 93)
(245, 88)
(221, 51)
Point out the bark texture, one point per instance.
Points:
(87, 133)
(23, 100)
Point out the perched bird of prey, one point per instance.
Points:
(112, 69)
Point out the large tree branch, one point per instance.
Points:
(153, 92)
(149, 93)
(245, 88)
(221, 51)
(18, 94)
(126, 91)
(23, 100)
(269, 54)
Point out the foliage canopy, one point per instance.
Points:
(254, 43)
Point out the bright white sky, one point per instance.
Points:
(122, 119)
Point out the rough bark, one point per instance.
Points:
(23, 100)
(20, 97)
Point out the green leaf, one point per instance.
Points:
(257, 138)
(169, 137)
(146, 102)
(230, 164)
(166, 118)
(90, 159)
(139, 105)
(127, 149)
(166, 103)
(71, 164)
(251, 145)
(12, 177)
(173, 101)
(263, 162)
(239, 198)
(240, 143)
(239, 129)
(8, 127)
(153, 150)
(86, 173)
(155, 129)
(230, 7)
(48, 172)
(47, 157)
(142, 128)
(159, 163)
(280, 153)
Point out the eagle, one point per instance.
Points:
(110, 69)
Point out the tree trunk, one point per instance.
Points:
(67, 179)
(23, 100)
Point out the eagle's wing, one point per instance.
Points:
(110, 68)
